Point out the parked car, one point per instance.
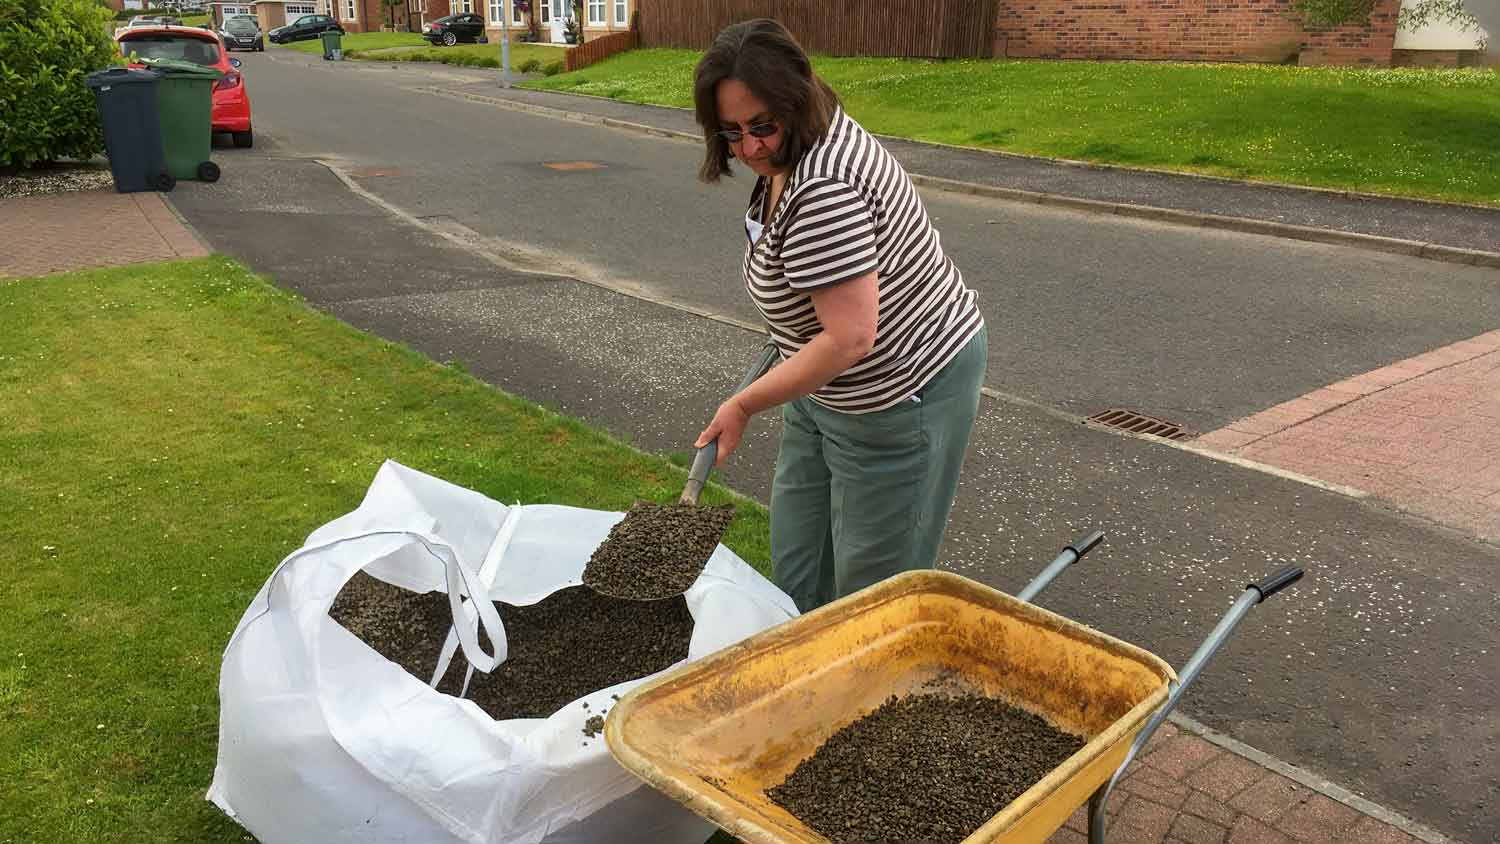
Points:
(154, 20)
(231, 104)
(452, 29)
(304, 28)
(242, 32)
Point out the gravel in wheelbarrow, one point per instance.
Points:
(928, 768)
(573, 642)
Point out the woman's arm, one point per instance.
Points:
(848, 313)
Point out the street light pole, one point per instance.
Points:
(505, 14)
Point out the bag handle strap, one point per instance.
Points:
(456, 574)
(487, 573)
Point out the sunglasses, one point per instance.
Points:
(759, 130)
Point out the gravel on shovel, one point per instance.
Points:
(573, 642)
(657, 551)
(927, 768)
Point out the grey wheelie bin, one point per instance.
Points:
(132, 131)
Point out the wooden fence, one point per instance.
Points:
(927, 28)
(600, 48)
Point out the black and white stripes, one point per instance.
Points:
(848, 208)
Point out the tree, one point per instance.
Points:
(1467, 14)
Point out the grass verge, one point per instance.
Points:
(360, 41)
(1403, 131)
(472, 55)
(171, 432)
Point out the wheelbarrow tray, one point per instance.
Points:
(717, 733)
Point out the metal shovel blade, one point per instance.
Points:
(658, 550)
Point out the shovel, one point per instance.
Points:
(658, 550)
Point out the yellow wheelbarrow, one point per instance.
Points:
(717, 734)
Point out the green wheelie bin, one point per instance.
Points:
(333, 45)
(185, 101)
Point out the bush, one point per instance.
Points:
(552, 68)
(530, 66)
(47, 47)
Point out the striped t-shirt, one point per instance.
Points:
(848, 208)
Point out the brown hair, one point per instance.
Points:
(768, 59)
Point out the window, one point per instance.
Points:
(596, 12)
(515, 12)
(619, 12)
(349, 13)
(300, 9)
(546, 10)
(195, 50)
(460, 7)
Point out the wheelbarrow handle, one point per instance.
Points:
(1254, 594)
(703, 461)
(1070, 555)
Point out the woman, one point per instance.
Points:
(883, 348)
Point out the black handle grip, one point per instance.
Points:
(1086, 544)
(1276, 582)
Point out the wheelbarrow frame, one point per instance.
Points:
(1254, 594)
(765, 715)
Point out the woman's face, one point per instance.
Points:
(740, 110)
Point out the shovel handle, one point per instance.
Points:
(703, 461)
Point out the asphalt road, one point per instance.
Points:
(1378, 672)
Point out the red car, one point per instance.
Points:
(231, 110)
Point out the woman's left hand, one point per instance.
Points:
(728, 426)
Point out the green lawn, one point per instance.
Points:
(361, 41)
(470, 55)
(170, 433)
(1403, 131)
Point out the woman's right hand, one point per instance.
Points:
(727, 426)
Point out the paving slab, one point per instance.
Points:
(78, 230)
(1422, 434)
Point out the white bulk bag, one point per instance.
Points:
(321, 739)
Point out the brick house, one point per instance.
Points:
(1187, 30)
(274, 13)
(600, 17)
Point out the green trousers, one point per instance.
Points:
(858, 498)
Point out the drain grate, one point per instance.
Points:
(1140, 423)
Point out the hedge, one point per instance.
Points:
(47, 47)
